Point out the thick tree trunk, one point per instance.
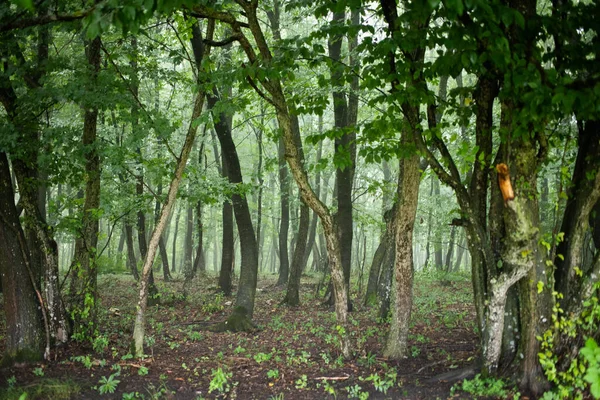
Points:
(21, 298)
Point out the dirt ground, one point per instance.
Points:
(293, 354)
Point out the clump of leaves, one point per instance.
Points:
(108, 385)
(220, 381)
(485, 387)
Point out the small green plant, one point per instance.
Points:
(485, 387)
(355, 392)
(415, 351)
(302, 383)
(239, 350)
(100, 344)
(39, 371)
(273, 374)
(328, 388)
(85, 360)
(143, 371)
(108, 385)
(261, 357)
(220, 381)
(195, 336)
(212, 304)
(382, 384)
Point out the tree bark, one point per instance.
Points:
(21, 297)
(248, 246)
(84, 273)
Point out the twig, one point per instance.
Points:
(332, 378)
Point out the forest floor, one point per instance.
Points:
(293, 354)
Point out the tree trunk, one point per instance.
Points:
(248, 246)
(131, 261)
(343, 145)
(161, 243)
(437, 241)
(188, 243)
(139, 326)
(174, 245)
(284, 223)
(227, 249)
(450, 253)
(408, 195)
(21, 298)
(84, 274)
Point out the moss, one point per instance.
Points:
(22, 356)
(238, 321)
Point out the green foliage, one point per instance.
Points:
(382, 384)
(591, 354)
(581, 374)
(43, 389)
(108, 385)
(485, 387)
(302, 382)
(213, 303)
(220, 381)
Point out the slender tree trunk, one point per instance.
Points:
(131, 261)
(249, 251)
(85, 274)
(450, 252)
(161, 243)
(188, 243)
(284, 223)
(437, 244)
(139, 327)
(312, 232)
(176, 231)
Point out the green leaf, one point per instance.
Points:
(26, 4)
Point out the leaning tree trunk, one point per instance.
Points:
(140, 319)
